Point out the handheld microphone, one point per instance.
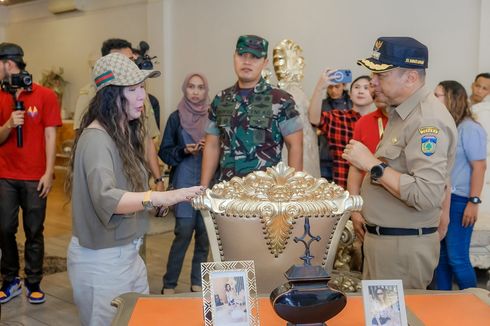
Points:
(19, 106)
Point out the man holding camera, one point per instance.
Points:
(251, 120)
(27, 155)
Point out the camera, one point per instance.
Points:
(20, 80)
(342, 76)
(143, 61)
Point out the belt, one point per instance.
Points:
(379, 230)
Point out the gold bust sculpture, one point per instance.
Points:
(288, 63)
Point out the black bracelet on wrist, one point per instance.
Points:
(159, 179)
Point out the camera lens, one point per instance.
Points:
(27, 80)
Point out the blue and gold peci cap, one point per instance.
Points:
(253, 44)
(393, 52)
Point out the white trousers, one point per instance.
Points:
(99, 276)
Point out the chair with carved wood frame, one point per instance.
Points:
(258, 216)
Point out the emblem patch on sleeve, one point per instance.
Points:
(428, 145)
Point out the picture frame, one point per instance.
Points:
(384, 303)
(229, 293)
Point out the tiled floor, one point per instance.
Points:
(59, 308)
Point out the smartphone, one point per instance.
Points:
(342, 76)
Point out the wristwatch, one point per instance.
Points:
(474, 200)
(160, 179)
(147, 203)
(377, 171)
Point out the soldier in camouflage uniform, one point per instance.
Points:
(250, 121)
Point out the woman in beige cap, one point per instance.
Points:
(108, 183)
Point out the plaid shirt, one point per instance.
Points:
(338, 127)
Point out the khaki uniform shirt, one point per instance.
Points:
(419, 142)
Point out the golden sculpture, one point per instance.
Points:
(346, 275)
(288, 63)
(257, 216)
(266, 73)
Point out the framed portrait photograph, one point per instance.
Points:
(384, 303)
(229, 293)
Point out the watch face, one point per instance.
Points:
(376, 172)
(147, 205)
(475, 200)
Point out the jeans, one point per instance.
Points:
(184, 228)
(454, 260)
(99, 276)
(24, 194)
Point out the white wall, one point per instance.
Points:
(67, 40)
(484, 54)
(333, 33)
(200, 35)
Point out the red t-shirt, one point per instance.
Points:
(41, 110)
(367, 129)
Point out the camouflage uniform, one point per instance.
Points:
(252, 129)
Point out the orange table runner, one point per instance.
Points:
(451, 309)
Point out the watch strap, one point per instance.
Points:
(474, 200)
(159, 179)
(147, 203)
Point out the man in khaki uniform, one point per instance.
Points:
(406, 178)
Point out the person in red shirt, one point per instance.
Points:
(26, 173)
(368, 130)
(338, 125)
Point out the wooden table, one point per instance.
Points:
(468, 307)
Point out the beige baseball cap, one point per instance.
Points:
(117, 69)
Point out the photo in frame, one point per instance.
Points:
(384, 303)
(229, 293)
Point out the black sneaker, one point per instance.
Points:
(10, 290)
(34, 293)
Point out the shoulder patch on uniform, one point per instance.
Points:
(428, 145)
(428, 130)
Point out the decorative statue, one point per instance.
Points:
(288, 65)
(53, 79)
(267, 75)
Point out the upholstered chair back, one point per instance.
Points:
(259, 216)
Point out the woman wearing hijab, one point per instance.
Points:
(181, 148)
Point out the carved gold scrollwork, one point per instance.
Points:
(277, 197)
